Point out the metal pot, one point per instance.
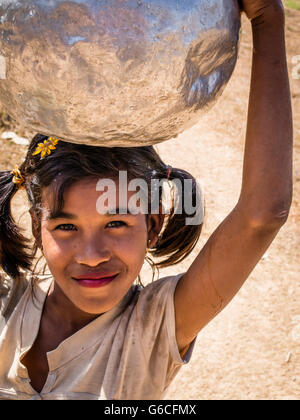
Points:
(115, 72)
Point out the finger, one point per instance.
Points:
(240, 2)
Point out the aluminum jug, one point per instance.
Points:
(115, 72)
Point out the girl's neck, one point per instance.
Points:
(63, 314)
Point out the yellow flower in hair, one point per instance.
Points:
(46, 147)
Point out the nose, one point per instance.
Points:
(92, 252)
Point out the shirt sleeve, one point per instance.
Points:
(156, 321)
(10, 293)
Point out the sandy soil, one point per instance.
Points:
(251, 350)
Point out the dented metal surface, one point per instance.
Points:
(115, 72)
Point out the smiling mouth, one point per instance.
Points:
(94, 281)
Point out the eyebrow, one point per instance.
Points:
(70, 216)
(117, 211)
(61, 215)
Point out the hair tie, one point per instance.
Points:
(18, 178)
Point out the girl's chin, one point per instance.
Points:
(96, 301)
(95, 297)
(94, 306)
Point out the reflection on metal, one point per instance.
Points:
(115, 72)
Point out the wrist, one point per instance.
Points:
(269, 41)
(268, 32)
(272, 16)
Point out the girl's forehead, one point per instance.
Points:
(101, 195)
(84, 187)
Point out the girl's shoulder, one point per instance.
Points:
(11, 291)
(162, 283)
(159, 293)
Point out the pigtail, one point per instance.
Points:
(179, 238)
(13, 245)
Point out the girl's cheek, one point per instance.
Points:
(55, 246)
(135, 245)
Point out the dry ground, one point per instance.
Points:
(251, 350)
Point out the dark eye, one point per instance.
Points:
(118, 223)
(65, 227)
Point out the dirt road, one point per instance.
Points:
(251, 350)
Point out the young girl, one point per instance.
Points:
(86, 331)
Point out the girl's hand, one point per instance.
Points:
(260, 10)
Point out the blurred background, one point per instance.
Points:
(251, 350)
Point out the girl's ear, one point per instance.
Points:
(155, 225)
(36, 228)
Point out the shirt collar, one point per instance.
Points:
(79, 341)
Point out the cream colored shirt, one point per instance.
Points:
(129, 352)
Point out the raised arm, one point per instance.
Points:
(240, 241)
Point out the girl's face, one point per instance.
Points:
(81, 242)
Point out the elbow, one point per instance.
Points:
(273, 221)
(271, 218)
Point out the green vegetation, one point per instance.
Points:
(293, 4)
